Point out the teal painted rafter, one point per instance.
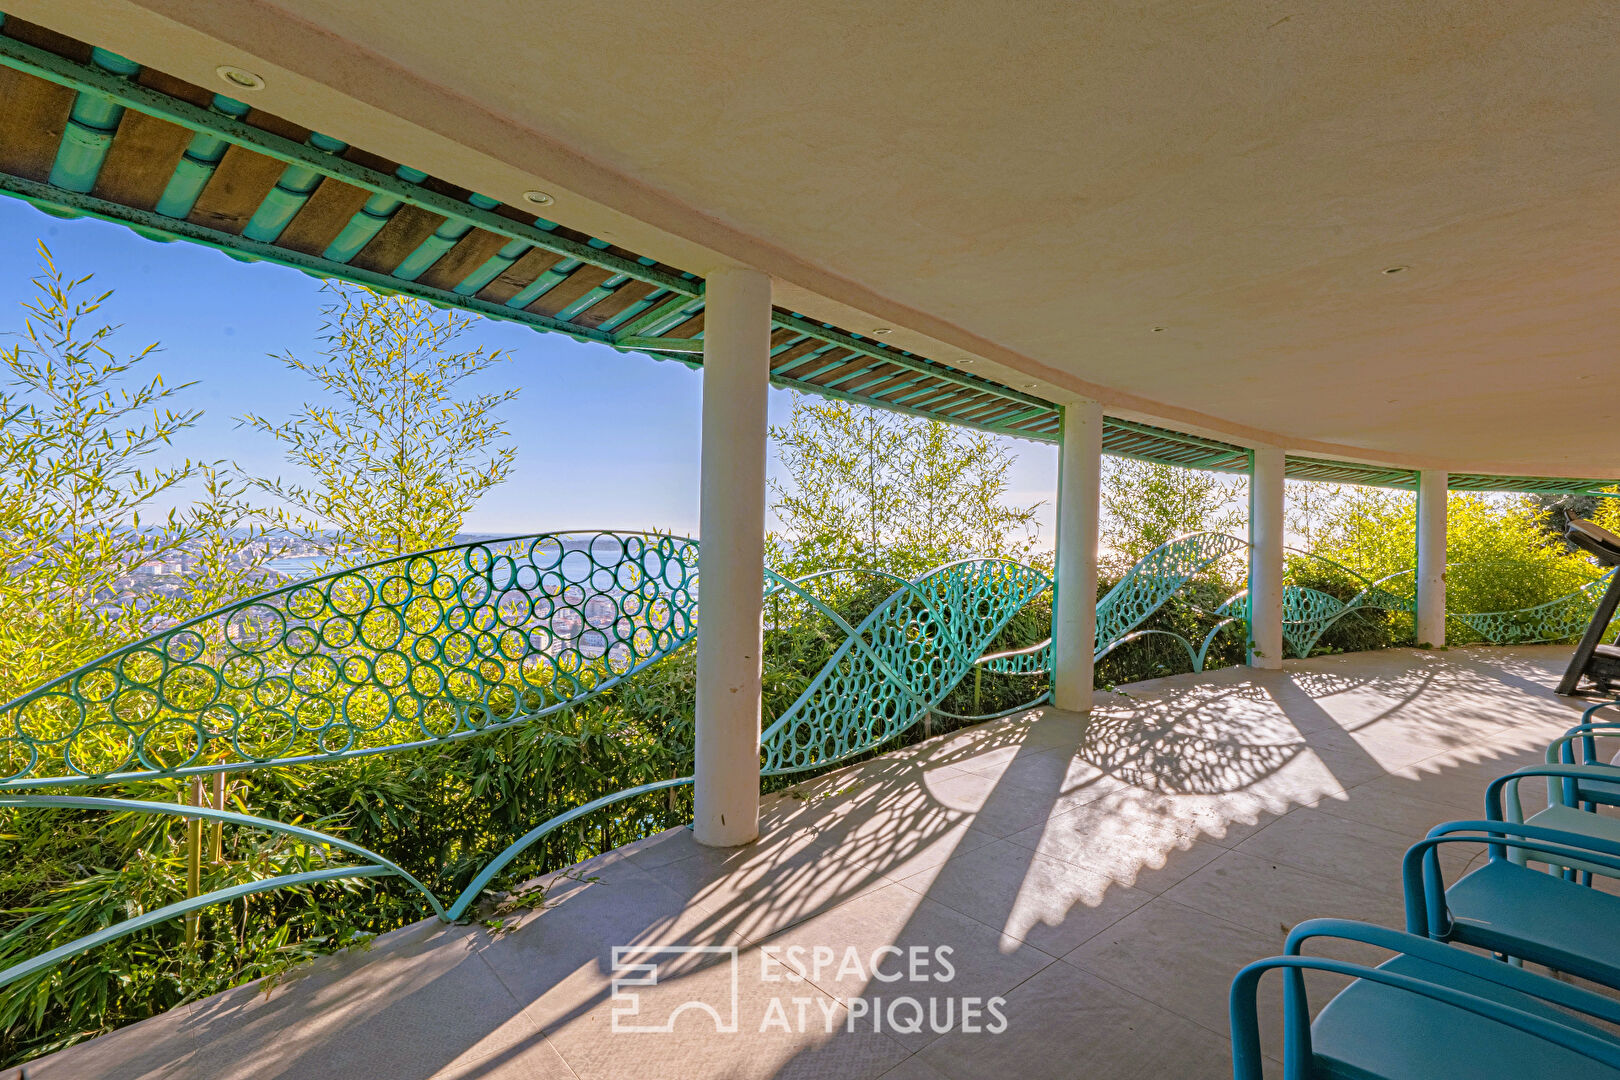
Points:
(833, 336)
(1549, 485)
(789, 383)
(670, 313)
(148, 224)
(83, 77)
(661, 344)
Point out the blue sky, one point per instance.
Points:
(604, 440)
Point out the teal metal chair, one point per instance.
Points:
(1430, 1011)
(1509, 908)
(1583, 739)
(1572, 794)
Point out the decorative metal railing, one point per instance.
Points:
(1556, 620)
(900, 662)
(1308, 613)
(464, 640)
(419, 649)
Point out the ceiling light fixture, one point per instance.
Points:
(1395, 269)
(1158, 329)
(880, 331)
(1031, 385)
(240, 78)
(538, 198)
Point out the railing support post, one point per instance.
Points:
(731, 555)
(218, 803)
(1266, 494)
(1074, 605)
(1431, 557)
(194, 846)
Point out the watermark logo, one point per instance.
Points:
(641, 966)
(819, 988)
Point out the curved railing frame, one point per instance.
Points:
(243, 762)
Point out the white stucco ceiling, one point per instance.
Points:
(1041, 185)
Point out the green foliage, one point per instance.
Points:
(1500, 555)
(398, 460)
(874, 490)
(441, 813)
(77, 873)
(396, 457)
(1146, 505)
(78, 487)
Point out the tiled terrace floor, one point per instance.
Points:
(1105, 878)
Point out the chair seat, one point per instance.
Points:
(1371, 1031)
(1539, 917)
(1581, 822)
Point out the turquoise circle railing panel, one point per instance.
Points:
(418, 649)
(900, 662)
(1557, 620)
(1155, 579)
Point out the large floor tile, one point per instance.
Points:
(1002, 807)
(420, 1003)
(1043, 902)
(1405, 812)
(722, 1020)
(895, 943)
(558, 961)
(1175, 957)
(160, 1048)
(1184, 960)
(1331, 846)
(1065, 1023)
(1126, 842)
(1273, 898)
(756, 890)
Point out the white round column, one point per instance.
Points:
(1074, 608)
(731, 555)
(1431, 558)
(1266, 557)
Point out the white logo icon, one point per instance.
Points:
(637, 966)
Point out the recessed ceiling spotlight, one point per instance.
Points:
(1031, 385)
(880, 331)
(240, 78)
(1158, 329)
(1395, 269)
(538, 198)
(964, 361)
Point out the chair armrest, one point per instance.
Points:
(1247, 1057)
(1424, 889)
(1464, 961)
